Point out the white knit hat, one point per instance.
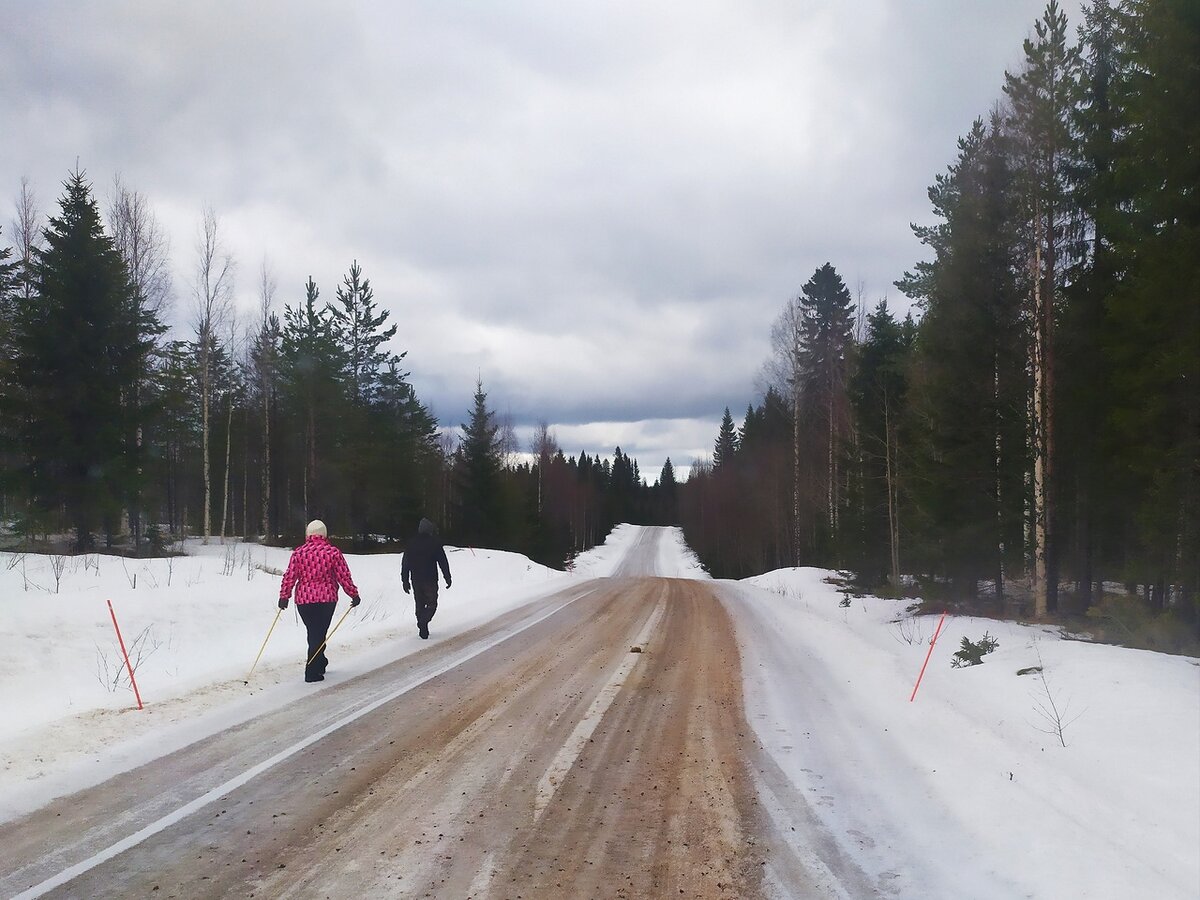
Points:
(316, 526)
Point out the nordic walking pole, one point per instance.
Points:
(328, 636)
(263, 647)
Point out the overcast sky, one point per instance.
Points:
(599, 208)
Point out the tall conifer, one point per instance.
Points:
(78, 347)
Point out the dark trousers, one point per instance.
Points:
(425, 594)
(316, 618)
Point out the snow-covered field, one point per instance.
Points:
(962, 793)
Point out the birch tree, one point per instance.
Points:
(264, 357)
(213, 292)
(784, 372)
(144, 249)
(27, 239)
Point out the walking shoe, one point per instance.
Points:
(424, 632)
(311, 678)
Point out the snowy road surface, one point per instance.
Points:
(539, 755)
(760, 744)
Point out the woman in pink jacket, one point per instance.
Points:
(315, 571)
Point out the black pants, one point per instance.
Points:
(425, 593)
(316, 618)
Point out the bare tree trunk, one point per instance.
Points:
(310, 468)
(204, 443)
(830, 489)
(246, 472)
(796, 401)
(893, 512)
(228, 449)
(1039, 429)
(27, 237)
(1000, 574)
(266, 469)
(267, 365)
(1050, 473)
(214, 275)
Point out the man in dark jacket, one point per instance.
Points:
(422, 558)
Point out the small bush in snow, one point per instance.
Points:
(971, 654)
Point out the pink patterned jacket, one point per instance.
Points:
(315, 570)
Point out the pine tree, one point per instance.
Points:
(1042, 98)
(78, 347)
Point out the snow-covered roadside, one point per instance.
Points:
(197, 622)
(962, 793)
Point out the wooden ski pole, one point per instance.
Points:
(328, 636)
(278, 613)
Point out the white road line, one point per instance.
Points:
(569, 752)
(238, 781)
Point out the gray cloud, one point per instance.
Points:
(598, 208)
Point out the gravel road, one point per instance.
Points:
(590, 744)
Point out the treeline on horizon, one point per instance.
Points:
(117, 434)
(1035, 434)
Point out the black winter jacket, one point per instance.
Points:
(422, 558)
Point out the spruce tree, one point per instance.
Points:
(879, 392)
(726, 445)
(8, 459)
(827, 321)
(968, 380)
(78, 347)
(1088, 483)
(313, 367)
(362, 333)
(479, 513)
(8, 275)
(1152, 329)
(8, 280)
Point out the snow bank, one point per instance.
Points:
(964, 793)
(193, 625)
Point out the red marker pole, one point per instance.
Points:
(927, 655)
(125, 653)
